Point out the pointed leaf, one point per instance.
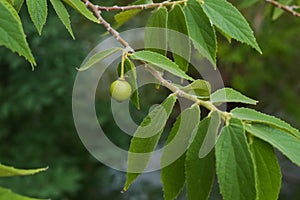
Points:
(199, 87)
(201, 31)
(177, 42)
(211, 135)
(123, 17)
(156, 32)
(131, 77)
(230, 95)
(267, 170)
(160, 61)
(11, 171)
(200, 172)
(225, 16)
(283, 141)
(7, 194)
(235, 167)
(82, 9)
(63, 15)
(11, 31)
(38, 12)
(248, 114)
(145, 139)
(18, 4)
(173, 176)
(98, 57)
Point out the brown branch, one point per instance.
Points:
(97, 13)
(141, 7)
(286, 8)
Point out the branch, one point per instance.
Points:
(141, 7)
(177, 91)
(97, 13)
(286, 8)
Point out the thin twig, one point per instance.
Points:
(108, 27)
(177, 91)
(140, 7)
(286, 8)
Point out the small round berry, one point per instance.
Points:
(120, 90)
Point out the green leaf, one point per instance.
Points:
(130, 71)
(145, 139)
(277, 11)
(38, 12)
(123, 17)
(82, 9)
(18, 4)
(156, 32)
(63, 15)
(179, 44)
(11, 31)
(283, 141)
(248, 114)
(7, 194)
(212, 133)
(11, 171)
(98, 57)
(160, 61)
(225, 16)
(173, 176)
(199, 87)
(230, 95)
(235, 167)
(267, 170)
(200, 172)
(201, 31)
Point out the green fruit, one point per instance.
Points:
(120, 90)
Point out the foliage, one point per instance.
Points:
(240, 152)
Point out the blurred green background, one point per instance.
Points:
(36, 124)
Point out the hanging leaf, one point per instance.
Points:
(63, 15)
(283, 141)
(123, 17)
(156, 32)
(11, 31)
(173, 176)
(11, 171)
(160, 61)
(130, 72)
(199, 87)
(201, 31)
(200, 172)
(267, 170)
(230, 95)
(98, 57)
(248, 114)
(145, 139)
(235, 167)
(180, 44)
(227, 17)
(38, 12)
(6, 194)
(81, 8)
(211, 135)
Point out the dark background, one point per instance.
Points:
(36, 124)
